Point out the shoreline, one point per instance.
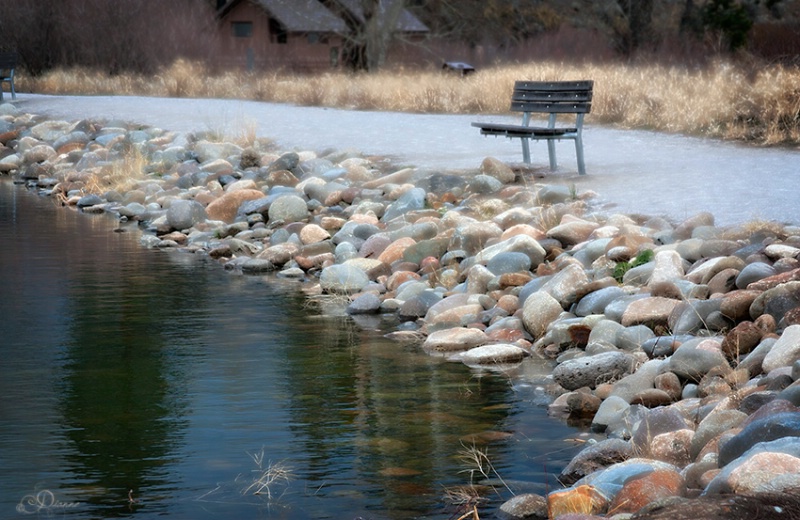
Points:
(680, 341)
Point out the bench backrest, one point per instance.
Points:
(8, 60)
(553, 97)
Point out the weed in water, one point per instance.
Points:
(266, 478)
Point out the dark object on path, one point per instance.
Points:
(8, 62)
(552, 98)
(459, 67)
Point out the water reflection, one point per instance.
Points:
(124, 393)
(125, 369)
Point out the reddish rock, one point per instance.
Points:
(763, 471)
(724, 281)
(652, 398)
(506, 335)
(395, 250)
(673, 447)
(282, 178)
(736, 304)
(226, 206)
(649, 311)
(508, 303)
(514, 279)
(641, 491)
(741, 340)
(669, 383)
(776, 280)
(581, 500)
(400, 277)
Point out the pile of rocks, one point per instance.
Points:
(681, 342)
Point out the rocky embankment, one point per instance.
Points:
(680, 341)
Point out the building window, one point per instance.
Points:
(277, 34)
(315, 38)
(242, 29)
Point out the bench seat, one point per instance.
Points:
(520, 130)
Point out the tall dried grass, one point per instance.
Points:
(739, 101)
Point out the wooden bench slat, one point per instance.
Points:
(551, 108)
(554, 85)
(560, 97)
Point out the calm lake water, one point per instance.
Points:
(140, 383)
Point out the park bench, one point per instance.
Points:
(552, 98)
(8, 62)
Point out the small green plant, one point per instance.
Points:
(623, 267)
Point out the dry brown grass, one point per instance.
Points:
(120, 175)
(746, 102)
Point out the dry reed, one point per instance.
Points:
(746, 102)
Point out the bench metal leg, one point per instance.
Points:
(551, 152)
(526, 150)
(579, 155)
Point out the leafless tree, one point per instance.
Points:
(124, 35)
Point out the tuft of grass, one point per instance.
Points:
(120, 175)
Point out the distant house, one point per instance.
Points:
(301, 35)
(295, 34)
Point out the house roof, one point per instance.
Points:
(297, 15)
(407, 22)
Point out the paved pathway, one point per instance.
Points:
(633, 171)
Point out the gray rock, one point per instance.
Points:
(655, 422)
(412, 200)
(367, 303)
(538, 311)
(519, 243)
(712, 426)
(610, 412)
(777, 426)
(342, 279)
(89, 200)
(527, 506)
(288, 208)
(208, 151)
(777, 301)
(484, 184)
(632, 338)
(595, 457)
(642, 379)
(257, 265)
(605, 331)
(509, 262)
(694, 358)
(771, 466)
(593, 370)
(596, 302)
(494, 354)
(554, 194)
(184, 214)
(473, 236)
(454, 339)
(287, 161)
(786, 350)
(565, 284)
